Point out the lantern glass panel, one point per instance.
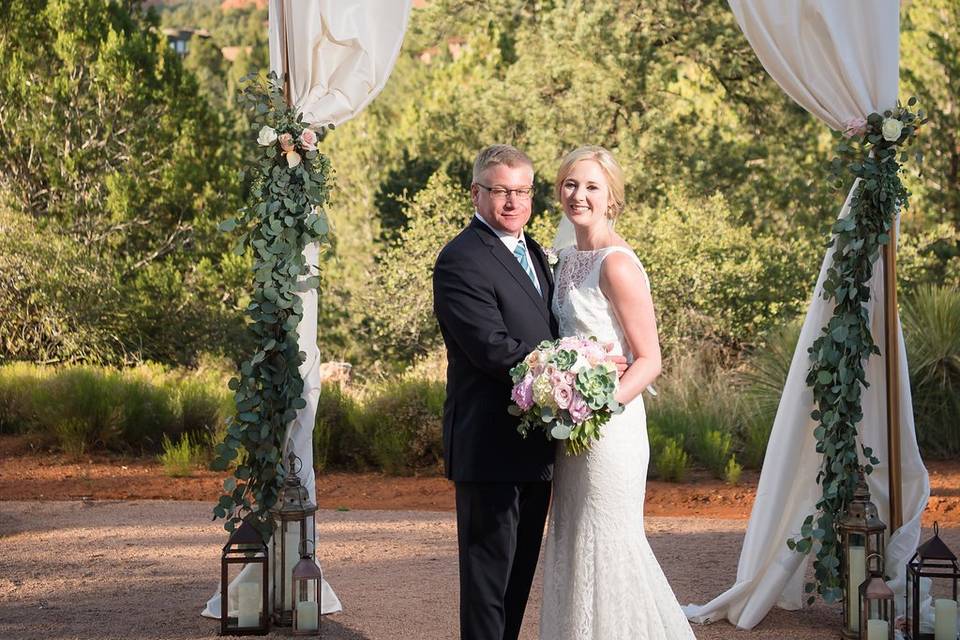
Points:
(306, 614)
(243, 568)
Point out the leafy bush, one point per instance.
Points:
(715, 279)
(400, 323)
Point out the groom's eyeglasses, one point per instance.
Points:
(501, 193)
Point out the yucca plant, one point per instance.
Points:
(931, 325)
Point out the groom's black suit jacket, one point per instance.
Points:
(491, 316)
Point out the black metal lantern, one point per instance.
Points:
(293, 518)
(307, 578)
(861, 535)
(245, 550)
(933, 561)
(876, 603)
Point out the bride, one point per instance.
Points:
(601, 579)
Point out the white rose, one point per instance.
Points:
(891, 129)
(267, 136)
(293, 159)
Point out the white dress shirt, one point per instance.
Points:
(511, 241)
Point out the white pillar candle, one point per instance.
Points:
(945, 619)
(878, 629)
(292, 557)
(307, 616)
(857, 573)
(249, 604)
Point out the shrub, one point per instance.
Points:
(180, 459)
(763, 378)
(85, 408)
(400, 307)
(20, 383)
(931, 323)
(403, 416)
(714, 278)
(339, 440)
(697, 405)
(88, 407)
(670, 460)
(733, 470)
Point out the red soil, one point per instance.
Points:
(27, 473)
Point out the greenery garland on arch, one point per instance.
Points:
(871, 150)
(288, 182)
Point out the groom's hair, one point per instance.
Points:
(499, 154)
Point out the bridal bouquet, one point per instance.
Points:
(565, 387)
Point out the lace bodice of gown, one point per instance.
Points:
(579, 304)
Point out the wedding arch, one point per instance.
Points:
(838, 60)
(332, 57)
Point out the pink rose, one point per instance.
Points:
(579, 411)
(286, 142)
(293, 159)
(309, 139)
(562, 394)
(522, 394)
(556, 376)
(854, 127)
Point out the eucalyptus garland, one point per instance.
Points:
(870, 150)
(288, 186)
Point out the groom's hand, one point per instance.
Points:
(619, 361)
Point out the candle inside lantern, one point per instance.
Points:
(292, 557)
(249, 605)
(878, 629)
(856, 575)
(945, 619)
(306, 616)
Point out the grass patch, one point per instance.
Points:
(179, 460)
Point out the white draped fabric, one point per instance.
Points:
(341, 53)
(839, 60)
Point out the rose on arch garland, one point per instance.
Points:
(288, 185)
(873, 152)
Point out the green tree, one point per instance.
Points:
(107, 141)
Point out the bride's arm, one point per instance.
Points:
(624, 285)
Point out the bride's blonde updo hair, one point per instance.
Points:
(611, 169)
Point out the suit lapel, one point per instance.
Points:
(512, 265)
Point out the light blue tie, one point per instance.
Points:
(521, 253)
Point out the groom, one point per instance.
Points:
(492, 288)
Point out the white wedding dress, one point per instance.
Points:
(601, 579)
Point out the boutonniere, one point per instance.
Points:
(552, 257)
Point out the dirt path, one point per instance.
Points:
(143, 569)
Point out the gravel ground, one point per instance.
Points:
(144, 569)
